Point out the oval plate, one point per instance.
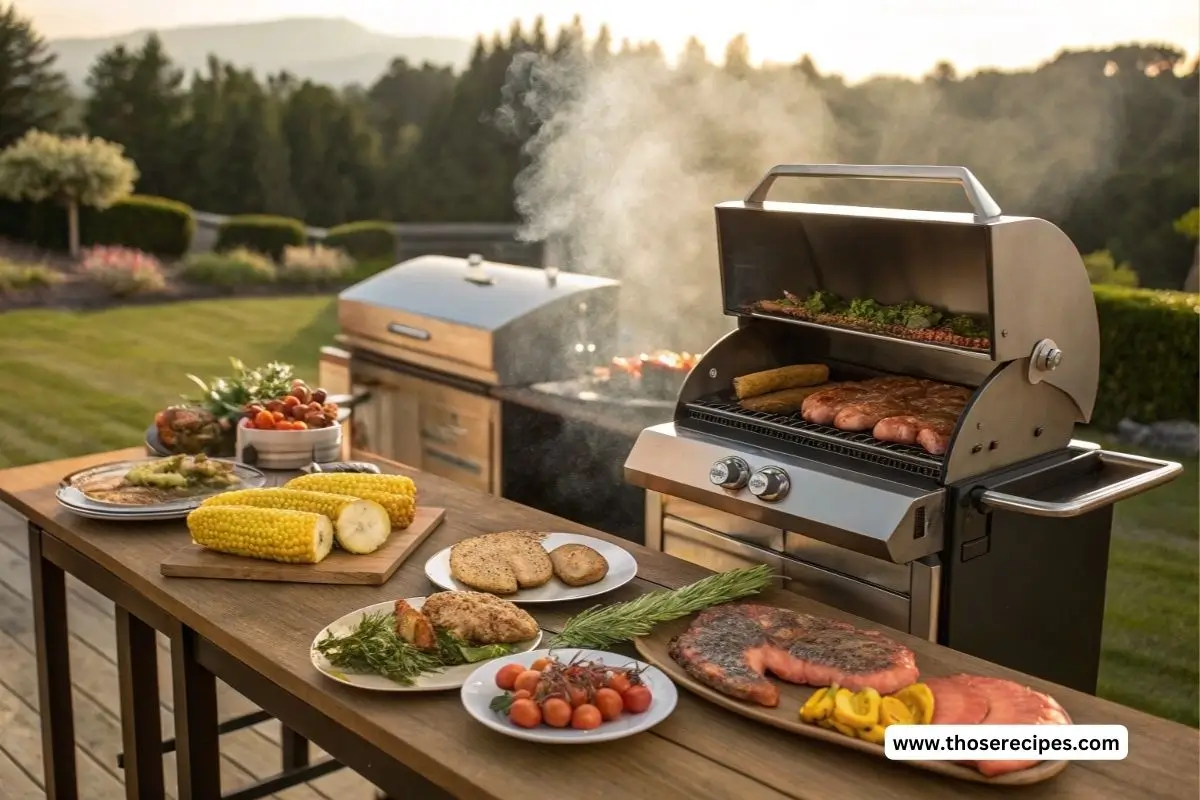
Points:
(480, 688)
(71, 494)
(622, 568)
(448, 678)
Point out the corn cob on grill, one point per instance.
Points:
(396, 493)
(272, 534)
(780, 378)
(360, 526)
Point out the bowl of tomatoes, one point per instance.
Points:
(568, 696)
(291, 431)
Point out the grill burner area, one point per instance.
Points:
(793, 429)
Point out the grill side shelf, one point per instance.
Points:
(793, 429)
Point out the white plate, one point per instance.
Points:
(480, 688)
(622, 568)
(71, 495)
(448, 678)
(68, 499)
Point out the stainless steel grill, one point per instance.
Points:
(998, 544)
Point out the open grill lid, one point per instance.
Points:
(1018, 282)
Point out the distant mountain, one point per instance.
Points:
(332, 51)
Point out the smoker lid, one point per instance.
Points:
(478, 294)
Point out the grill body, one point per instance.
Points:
(999, 546)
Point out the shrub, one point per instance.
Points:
(123, 271)
(15, 276)
(314, 264)
(364, 240)
(1149, 355)
(1103, 270)
(237, 267)
(153, 224)
(262, 233)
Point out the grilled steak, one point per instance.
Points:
(975, 700)
(732, 647)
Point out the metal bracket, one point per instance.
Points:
(1045, 357)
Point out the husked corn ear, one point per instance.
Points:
(360, 526)
(396, 493)
(780, 378)
(272, 534)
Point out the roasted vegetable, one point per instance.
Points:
(292, 537)
(892, 711)
(774, 380)
(188, 430)
(360, 526)
(785, 402)
(875, 734)
(820, 705)
(857, 710)
(396, 493)
(919, 699)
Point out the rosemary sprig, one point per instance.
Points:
(602, 626)
(374, 648)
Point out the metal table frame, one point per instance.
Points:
(195, 665)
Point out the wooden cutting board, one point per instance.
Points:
(339, 566)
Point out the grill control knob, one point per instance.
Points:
(729, 473)
(769, 484)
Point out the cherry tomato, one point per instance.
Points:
(637, 699)
(285, 425)
(528, 680)
(525, 714)
(264, 419)
(291, 400)
(299, 426)
(618, 683)
(586, 717)
(541, 664)
(557, 712)
(277, 415)
(610, 704)
(506, 678)
(577, 695)
(523, 694)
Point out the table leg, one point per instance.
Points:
(49, 586)
(295, 749)
(141, 725)
(197, 753)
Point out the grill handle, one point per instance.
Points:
(985, 207)
(1155, 473)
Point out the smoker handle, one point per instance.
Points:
(1157, 473)
(985, 207)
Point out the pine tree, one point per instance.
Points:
(32, 93)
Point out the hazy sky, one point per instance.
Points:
(854, 37)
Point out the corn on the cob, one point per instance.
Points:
(396, 493)
(774, 380)
(360, 526)
(273, 534)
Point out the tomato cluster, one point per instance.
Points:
(300, 409)
(579, 694)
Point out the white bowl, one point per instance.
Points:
(289, 449)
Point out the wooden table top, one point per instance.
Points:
(699, 751)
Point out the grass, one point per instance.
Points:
(87, 382)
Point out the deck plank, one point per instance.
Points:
(246, 755)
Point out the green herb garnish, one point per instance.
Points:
(374, 648)
(602, 626)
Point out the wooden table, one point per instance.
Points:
(255, 636)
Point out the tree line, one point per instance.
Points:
(1104, 143)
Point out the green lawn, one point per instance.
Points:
(84, 382)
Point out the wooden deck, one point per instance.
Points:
(247, 755)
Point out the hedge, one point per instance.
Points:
(1149, 356)
(151, 224)
(262, 233)
(364, 240)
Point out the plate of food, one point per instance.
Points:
(153, 487)
(533, 567)
(827, 679)
(422, 644)
(569, 696)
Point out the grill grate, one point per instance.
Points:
(792, 428)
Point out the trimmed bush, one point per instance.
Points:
(151, 224)
(237, 267)
(16, 277)
(364, 240)
(262, 233)
(123, 271)
(1149, 355)
(314, 264)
